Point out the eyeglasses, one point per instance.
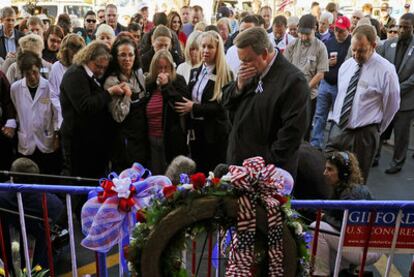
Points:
(91, 20)
(126, 56)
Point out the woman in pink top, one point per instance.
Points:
(166, 128)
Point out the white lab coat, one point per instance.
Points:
(37, 118)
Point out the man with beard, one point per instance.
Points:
(309, 54)
(368, 98)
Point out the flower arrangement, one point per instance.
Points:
(191, 188)
(37, 271)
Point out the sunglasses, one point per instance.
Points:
(91, 20)
(392, 32)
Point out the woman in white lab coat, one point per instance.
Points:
(36, 117)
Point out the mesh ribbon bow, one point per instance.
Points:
(109, 215)
(254, 180)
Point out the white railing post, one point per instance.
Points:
(341, 244)
(394, 243)
(24, 233)
(71, 236)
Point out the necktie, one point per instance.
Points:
(200, 93)
(349, 98)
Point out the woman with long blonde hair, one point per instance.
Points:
(209, 122)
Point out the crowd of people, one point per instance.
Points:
(85, 101)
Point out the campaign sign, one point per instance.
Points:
(382, 230)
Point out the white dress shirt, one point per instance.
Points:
(377, 97)
(55, 78)
(287, 39)
(232, 59)
(203, 77)
(36, 117)
(184, 70)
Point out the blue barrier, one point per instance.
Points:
(310, 204)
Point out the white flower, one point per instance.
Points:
(226, 178)
(298, 228)
(187, 186)
(122, 187)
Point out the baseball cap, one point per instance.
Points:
(343, 23)
(142, 5)
(307, 23)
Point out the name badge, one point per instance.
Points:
(44, 100)
(362, 84)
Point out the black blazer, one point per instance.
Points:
(17, 36)
(87, 123)
(216, 122)
(174, 130)
(270, 124)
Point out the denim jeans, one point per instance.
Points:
(326, 98)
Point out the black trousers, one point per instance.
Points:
(402, 122)
(363, 142)
(207, 155)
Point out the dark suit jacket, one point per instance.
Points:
(7, 110)
(405, 73)
(270, 124)
(17, 35)
(216, 123)
(87, 127)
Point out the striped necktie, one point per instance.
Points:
(349, 98)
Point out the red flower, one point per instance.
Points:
(282, 200)
(169, 191)
(198, 180)
(215, 181)
(140, 216)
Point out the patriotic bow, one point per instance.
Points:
(254, 180)
(109, 214)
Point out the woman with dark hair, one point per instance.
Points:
(166, 128)
(128, 110)
(64, 23)
(342, 172)
(136, 31)
(175, 24)
(86, 129)
(53, 39)
(139, 19)
(71, 44)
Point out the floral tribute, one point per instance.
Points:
(250, 183)
(110, 213)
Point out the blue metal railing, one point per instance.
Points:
(102, 271)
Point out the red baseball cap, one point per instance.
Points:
(343, 23)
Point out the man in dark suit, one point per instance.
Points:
(400, 52)
(268, 104)
(9, 37)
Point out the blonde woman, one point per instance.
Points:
(209, 124)
(71, 44)
(166, 130)
(33, 43)
(105, 34)
(192, 56)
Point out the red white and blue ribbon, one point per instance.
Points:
(256, 181)
(109, 215)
